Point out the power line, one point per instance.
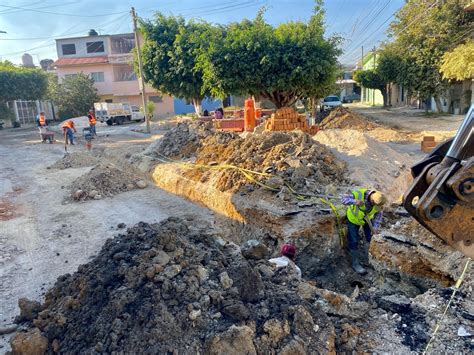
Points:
(67, 34)
(398, 33)
(371, 21)
(59, 13)
(12, 11)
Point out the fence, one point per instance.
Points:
(26, 111)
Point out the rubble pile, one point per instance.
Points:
(286, 157)
(104, 180)
(181, 141)
(170, 288)
(76, 160)
(176, 287)
(290, 157)
(341, 117)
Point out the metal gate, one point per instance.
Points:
(27, 111)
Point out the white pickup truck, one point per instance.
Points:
(118, 113)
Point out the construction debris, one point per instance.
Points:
(104, 180)
(283, 157)
(76, 160)
(341, 117)
(170, 288)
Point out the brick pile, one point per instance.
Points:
(428, 144)
(287, 119)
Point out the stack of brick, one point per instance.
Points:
(287, 119)
(428, 144)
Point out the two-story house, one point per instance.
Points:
(107, 59)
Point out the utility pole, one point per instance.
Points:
(140, 67)
(362, 96)
(373, 90)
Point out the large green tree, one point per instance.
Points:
(373, 80)
(423, 31)
(170, 55)
(282, 64)
(458, 64)
(19, 83)
(73, 96)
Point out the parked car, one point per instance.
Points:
(329, 103)
(351, 98)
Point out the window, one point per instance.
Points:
(331, 99)
(156, 99)
(124, 73)
(109, 101)
(69, 49)
(135, 109)
(69, 76)
(95, 47)
(98, 77)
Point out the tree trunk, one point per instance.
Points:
(389, 89)
(439, 106)
(383, 90)
(197, 105)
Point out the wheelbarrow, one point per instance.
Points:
(46, 136)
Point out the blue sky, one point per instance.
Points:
(32, 26)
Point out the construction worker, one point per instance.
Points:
(68, 128)
(365, 210)
(41, 122)
(288, 253)
(92, 122)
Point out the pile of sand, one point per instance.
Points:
(370, 162)
(104, 180)
(76, 160)
(341, 117)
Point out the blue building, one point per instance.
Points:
(182, 107)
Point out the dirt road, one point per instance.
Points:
(410, 120)
(42, 237)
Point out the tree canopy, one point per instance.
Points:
(170, 56)
(423, 31)
(193, 59)
(282, 64)
(73, 96)
(21, 83)
(458, 64)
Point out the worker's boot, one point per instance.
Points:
(365, 254)
(356, 263)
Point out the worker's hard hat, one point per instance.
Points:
(288, 250)
(378, 198)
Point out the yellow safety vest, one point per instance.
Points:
(356, 214)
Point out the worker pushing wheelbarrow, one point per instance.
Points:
(46, 136)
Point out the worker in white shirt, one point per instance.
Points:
(288, 253)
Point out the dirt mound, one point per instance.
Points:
(76, 160)
(104, 180)
(285, 157)
(183, 140)
(169, 288)
(341, 117)
(293, 157)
